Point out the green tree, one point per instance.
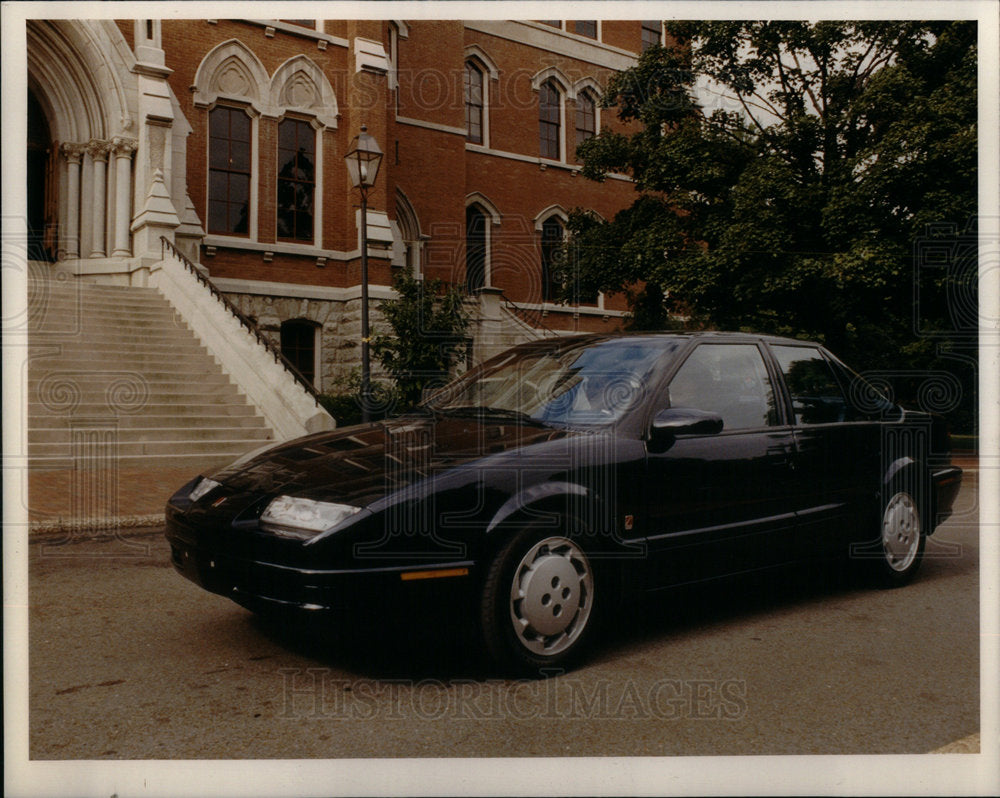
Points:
(796, 209)
(428, 325)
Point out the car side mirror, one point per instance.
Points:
(674, 421)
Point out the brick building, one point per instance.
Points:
(228, 137)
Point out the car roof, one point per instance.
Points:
(668, 335)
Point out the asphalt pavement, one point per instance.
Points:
(130, 661)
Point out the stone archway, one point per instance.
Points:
(81, 81)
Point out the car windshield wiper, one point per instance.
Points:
(483, 410)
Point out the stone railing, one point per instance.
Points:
(287, 401)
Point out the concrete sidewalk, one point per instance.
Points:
(100, 501)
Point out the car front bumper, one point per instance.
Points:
(264, 586)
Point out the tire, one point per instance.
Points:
(537, 603)
(901, 540)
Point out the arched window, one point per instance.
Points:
(229, 160)
(303, 102)
(549, 122)
(409, 241)
(299, 346)
(553, 234)
(475, 248)
(586, 117)
(474, 117)
(296, 180)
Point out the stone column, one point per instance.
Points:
(98, 151)
(123, 149)
(74, 155)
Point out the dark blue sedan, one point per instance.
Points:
(550, 483)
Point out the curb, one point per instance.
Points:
(91, 528)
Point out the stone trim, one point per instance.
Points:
(236, 285)
(298, 30)
(455, 131)
(556, 41)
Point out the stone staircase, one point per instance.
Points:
(117, 380)
(497, 324)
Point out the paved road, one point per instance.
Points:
(130, 661)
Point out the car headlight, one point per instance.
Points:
(303, 518)
(203, 487)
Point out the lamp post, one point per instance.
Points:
(363, 160)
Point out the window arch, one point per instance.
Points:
(299, 85)
(475, 118)
(300, 346)
(232, 71)
(550, 120)
(408, 239)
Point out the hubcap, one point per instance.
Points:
(551, 596)
(900, 532)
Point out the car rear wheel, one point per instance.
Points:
(902, 540)
(537, 607)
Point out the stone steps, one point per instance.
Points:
(153, 410)
(127, 393)
(115, 376)
(96, 377)
(143, 434)
(194, 462)
(161, 334)
(63, 323)
(220, 422)
(119, 450)
(77, 345)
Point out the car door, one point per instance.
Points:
(837, 452)
(719, 503)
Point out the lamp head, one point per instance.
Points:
(363, 159)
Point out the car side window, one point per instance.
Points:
(817, 397)
(727, 379)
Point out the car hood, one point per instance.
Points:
(361, 464)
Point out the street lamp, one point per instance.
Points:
(363, 160)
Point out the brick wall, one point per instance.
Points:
(432, 167)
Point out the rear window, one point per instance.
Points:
(817, 396)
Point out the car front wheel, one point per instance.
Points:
(902, 540)
(537, 607)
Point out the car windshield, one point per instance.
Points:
(564, 384)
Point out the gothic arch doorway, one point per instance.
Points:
(42, 202)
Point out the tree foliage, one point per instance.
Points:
(428, 324)
(795, 206)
